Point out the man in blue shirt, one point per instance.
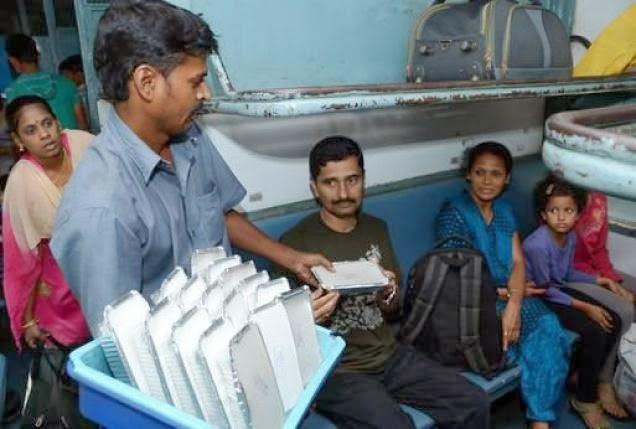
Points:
(152, 188)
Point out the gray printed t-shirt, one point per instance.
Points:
(370, 340)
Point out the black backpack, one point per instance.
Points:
(449, 309)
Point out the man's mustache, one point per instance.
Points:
(347, 200)
(197, 110)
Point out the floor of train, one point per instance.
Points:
(507, 413)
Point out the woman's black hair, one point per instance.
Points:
(12, 115)
(12, 112)
(491, 148)
(554, 186)
(334, 148)
(154, 32)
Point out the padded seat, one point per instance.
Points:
(498, 386)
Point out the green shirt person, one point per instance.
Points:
(60, 92)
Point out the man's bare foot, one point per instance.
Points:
(609, 402)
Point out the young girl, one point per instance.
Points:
(549, 253)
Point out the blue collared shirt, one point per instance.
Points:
(128, 217)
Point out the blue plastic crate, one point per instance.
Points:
(114, 404)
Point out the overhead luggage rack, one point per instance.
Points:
(285, 102)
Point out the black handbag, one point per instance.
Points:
(51, 399)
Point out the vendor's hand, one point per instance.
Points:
(301, 262)
(600, 316)
(323, 304)
(33, 334)
(511, 324)
(388, 297)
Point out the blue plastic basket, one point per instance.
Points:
(114, 404)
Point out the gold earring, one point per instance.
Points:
(21, 148)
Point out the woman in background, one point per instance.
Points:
(38, 299)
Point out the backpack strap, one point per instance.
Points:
(456, 241)
(429, 287)
(470, 276)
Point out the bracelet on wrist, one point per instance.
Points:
(30, 323)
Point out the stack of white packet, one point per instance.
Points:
(197, 347)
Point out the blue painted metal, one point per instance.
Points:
(5, 71)
(592, 172)
(346, 46)
(291, 43)
(594, 148)
(87, 15)
(302, 101)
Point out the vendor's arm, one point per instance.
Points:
(245, 235)
(100, 257)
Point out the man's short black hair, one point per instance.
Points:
(153, 32)
(22, 48)
(335, 148)
(72, 64)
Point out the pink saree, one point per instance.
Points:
(591, 255)
(28, 214)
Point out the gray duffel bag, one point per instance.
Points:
(486, 40)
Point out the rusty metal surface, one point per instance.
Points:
(592, 171)
(588, 148)
(595, 131)
(311, 100)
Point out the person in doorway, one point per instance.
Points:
(163, 189)
(72, 69)
(376, 373)
(58, 91)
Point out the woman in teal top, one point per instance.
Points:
(532, 334)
